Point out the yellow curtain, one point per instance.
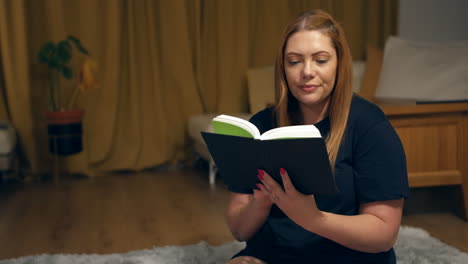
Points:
(236, 35)
(159, 62)
(3, 107)
(14, 59)
(136, 118)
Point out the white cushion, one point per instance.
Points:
(424, 71)
(7, 138)
(7, 145)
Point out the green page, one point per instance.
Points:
(228, 129)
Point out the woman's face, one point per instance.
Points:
(310, 63)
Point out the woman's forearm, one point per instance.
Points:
(364, 232)
(244, 221)
(373, 230)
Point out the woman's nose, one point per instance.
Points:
(308, 71)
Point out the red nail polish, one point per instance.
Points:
(282, 171)
(260, 176)
(260, 172)
(258, 186)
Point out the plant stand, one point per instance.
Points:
(56, 172)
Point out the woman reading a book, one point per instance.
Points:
(360, 223)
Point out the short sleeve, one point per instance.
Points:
(380, 165)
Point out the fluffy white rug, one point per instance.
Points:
(414, 245)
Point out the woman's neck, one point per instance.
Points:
(315, 113)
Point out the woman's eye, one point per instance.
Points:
(322, 61)
(293, 62)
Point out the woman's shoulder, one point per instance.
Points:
(364, 109)
(265, 113)
(264, 119)
(364, 114)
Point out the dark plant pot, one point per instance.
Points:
(65, 132)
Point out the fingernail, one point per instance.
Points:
(258, 185)
(260, 172)
(260, 176)
(282, 171)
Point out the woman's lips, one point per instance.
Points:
(309, 87)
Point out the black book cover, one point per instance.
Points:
(305, 160)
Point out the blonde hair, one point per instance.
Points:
(287, 110)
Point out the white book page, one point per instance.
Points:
(302, 131)
(244, 124)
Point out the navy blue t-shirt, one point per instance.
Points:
(370, 166)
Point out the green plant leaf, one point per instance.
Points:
(67, 72)
(46, 52)
(64, 52)
(78, 45)
(54, 62)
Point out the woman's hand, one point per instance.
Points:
(262, 198)
(247, 213)
(298, 207)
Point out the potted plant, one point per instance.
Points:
(64, 121)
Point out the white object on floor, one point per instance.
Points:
(7, 147)
(414, 245)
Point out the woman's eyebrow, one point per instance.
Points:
(321, 52)
(292, 53)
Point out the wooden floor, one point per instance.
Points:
(124, 212)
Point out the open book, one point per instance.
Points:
(234, 126)
(239, 150)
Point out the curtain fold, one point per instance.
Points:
(15, 57)
(159, 62)
(3, 97)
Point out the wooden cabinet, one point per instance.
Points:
(435, 138)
